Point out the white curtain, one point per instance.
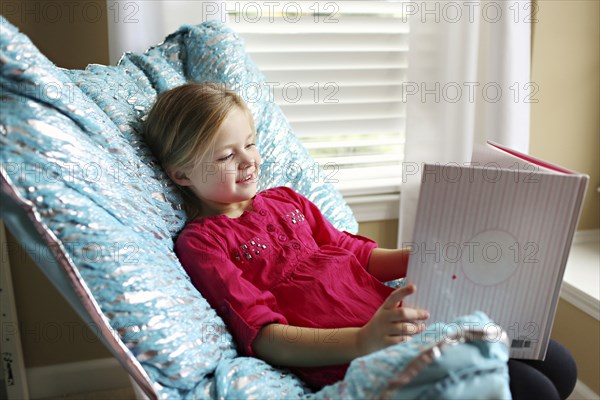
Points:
(138, 24)
(468, 81)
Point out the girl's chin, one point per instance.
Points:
(247, 191)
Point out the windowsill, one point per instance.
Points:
(581, 283)
(379, 207)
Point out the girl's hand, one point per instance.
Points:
(391, 323)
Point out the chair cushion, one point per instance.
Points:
(74, 162)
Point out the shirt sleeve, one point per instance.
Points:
(244, 308)
(325, 233)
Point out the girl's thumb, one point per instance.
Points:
(398, 295)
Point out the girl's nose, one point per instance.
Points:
(247, 163)
(250, 161)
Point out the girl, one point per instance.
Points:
(292, 289)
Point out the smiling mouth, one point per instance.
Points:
(247, 178)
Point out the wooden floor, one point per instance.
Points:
(126, 393)
(117, 394)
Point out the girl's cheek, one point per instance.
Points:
(258, 158)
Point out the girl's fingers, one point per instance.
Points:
(397, 296)
(404, 334)
(406, 329)
(410, 314)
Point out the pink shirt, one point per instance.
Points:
(282, 262)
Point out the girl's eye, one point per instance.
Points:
(225, 158)
(250, 145)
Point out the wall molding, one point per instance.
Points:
(78, 377)
(586, 236)
(581, 300)
(583, 391)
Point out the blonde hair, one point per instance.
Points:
(182, 126)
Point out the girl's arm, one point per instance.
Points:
(387, 265)
(293, 346)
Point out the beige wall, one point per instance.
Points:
(51, 331)
(580, 333)
(385, 233)
(565, 122)
(72, 34)
(565, 129)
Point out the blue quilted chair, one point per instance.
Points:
(78, 180)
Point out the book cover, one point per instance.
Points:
(494, 236)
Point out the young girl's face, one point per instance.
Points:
(225, 180)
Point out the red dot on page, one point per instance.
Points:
(453, 277)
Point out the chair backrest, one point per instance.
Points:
(77, 179)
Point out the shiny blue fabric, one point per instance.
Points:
(77, 176)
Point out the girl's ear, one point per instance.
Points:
(179, 177)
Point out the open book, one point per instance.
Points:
(494, 236)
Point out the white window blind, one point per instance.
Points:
(336, 69)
